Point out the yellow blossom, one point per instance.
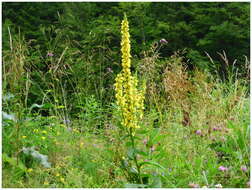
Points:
(24, 137)
(44, 132)
(29, 170)
(43, 138)
(35, 130)
(62, 180)
(46, 183)
(129, 99)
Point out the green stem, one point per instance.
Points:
(135, 159)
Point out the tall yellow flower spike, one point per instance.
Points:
(129, 99)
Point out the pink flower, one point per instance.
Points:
(193, 185)
(223, 169)
(215, 129)
(244, 168)
(163, 41)
(152, 149)
(198, 132)
(50, 54)
(145, 141)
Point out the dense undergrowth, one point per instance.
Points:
(61, 129)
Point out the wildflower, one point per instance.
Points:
(198, 132)
(163, 41)
(57, 174)
(44, 132)
(109, 70)
(145, 141)
(193, 185)
(218, 186)
(62, 179)
(46, 183)
(222, 168)
(81, 144)
(244, 168)
(43, 138)
(215, 129)
(152, 149)
(129, 99)
(24, 137)
(29, 170)
(35, 130)
(49, 54)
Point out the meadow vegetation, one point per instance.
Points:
(94, 117)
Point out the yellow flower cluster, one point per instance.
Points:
(129, 99)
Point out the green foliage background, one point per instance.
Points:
(60, 61)
(91, 33)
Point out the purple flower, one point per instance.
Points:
(215, 129)
(49, 54)
(163, 41)
(198, 132)
(222, 168)
(244, 168)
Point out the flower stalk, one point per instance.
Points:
(129, 99)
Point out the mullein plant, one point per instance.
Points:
(129, 99)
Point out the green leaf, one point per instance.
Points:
(131, 153)
(151, 163)
(142, 131)
(154, 133)
(141, 152)
(128, 144)
(131, 185)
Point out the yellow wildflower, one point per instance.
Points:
(81, 144)
(46, 183)
(29, 170)
(62, 179)
(35, 130)
(43, 138)
(57, 174)
(129, 99)
(24, 137)
(44, 132)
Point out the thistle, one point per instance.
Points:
(129, 99)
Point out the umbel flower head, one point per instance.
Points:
(129, 99)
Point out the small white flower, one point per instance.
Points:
(218, 186)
